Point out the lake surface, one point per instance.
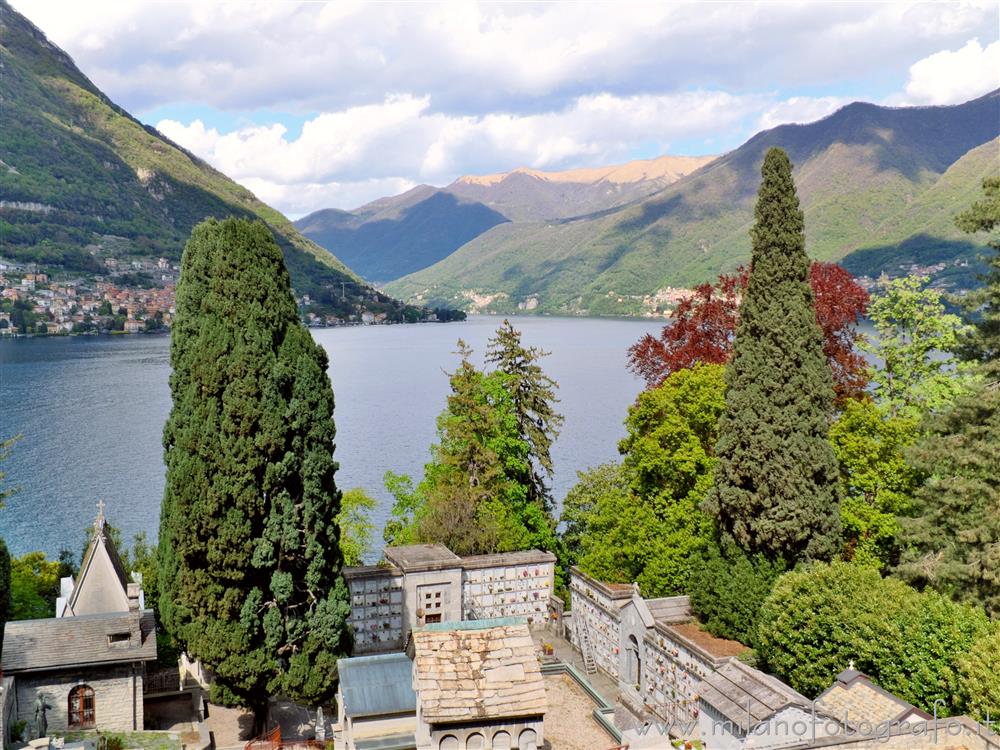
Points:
(91, 412)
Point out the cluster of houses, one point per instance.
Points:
(72, 306)
(456, 653)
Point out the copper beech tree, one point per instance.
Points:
(702, 327)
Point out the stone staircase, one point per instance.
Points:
(586, 648)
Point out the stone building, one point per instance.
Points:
(423, 584)
(654, 648)
(83, 669)
(478, 686)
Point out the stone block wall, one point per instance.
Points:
(117, 696)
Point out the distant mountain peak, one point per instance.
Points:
(667, 168)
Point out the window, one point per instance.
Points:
(431, 618)
(119, 639)
(82, 713)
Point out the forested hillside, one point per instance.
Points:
(82, 180)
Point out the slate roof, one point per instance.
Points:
(857, 698)
(746, 696)
(485, 669)
(60, 642)
(379, 685)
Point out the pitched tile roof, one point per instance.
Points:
(746, 696)
(84, 640)
(483, 669)
(857, 698)
(379, 685)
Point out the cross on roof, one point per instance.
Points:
(99, 522)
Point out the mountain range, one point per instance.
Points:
(82, 181)
(879, 186)
(391, 237)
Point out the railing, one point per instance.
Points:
(269, 741)
(162, 681)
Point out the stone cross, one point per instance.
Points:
(99, 523)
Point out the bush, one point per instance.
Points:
(727, 589)
(978, 677)
(819, 619)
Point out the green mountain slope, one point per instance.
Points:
(394, 236)
(82, 180)
(868, 177)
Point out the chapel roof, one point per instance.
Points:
(102, 583)
(860, 700)
(84, 640)
(478, 669)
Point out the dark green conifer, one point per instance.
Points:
(776, 481)
(249, 557)
(534, 398)
(983, 305)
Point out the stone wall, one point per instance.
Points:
(8, 708)
(117, 696)
(515, 734)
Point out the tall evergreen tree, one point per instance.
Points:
(249, 557)
(775, 487)
(534, 398)
(954, 535)
(983, 304)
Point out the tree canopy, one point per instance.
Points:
(915, 342)
(249, 551)
(703, 325)
(483, 489)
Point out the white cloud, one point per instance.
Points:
(952, 77)
(800, 109)
(473, 58)
(345, 155)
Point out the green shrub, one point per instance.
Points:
(727, 588)
(978, 677)
(820, 619)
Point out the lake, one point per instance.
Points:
(91, 412)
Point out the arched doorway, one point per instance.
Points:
(527, 740)
(82, 712)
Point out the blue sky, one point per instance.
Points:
(315, 105)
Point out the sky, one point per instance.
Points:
(330, 105)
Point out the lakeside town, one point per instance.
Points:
(135, 296)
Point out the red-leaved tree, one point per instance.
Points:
(703, 325)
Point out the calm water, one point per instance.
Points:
(91, 410)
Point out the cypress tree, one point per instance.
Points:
(249, 549)
(775, 486)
